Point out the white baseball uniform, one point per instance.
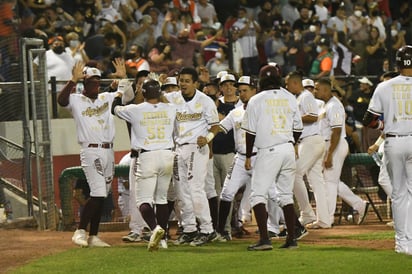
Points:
(95, 133)
(311, 149)
(334, 117)
(193, 119)
(392, 98)
(272, 116)
(152, 127)
(136, 223)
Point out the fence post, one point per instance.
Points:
(54, 95)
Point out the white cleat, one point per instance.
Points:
(79, 238)
(163, 244)
(95, 241)
(157, 235)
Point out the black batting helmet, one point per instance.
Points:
(404, 57)
(151, 89)
(270, 76)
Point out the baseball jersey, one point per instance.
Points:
(393, 98)
(152, 124)
(193, 118)
(334, 118)
(234, 121)
(308, 106)
(94, 121)
(272, 115)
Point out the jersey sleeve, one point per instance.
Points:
(308, 106)
(336, 116)
(211, 115)
(124, 113)
(297, 118)
(227, 123)
(375, 105)
(250, 118)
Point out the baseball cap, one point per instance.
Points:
(170, 81)
(324, 42)
(227, 78)
(308, 83)
(91, 72)
(246, 80)
(220, 74)
(365, 80)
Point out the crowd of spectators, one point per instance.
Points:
(319, 37)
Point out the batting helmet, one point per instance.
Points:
(404, 57)
(151, 89)
(270, 76)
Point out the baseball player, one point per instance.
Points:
(128, 200)
(196, 114)
(392, 99)
(272, 123)
(95, 133)
(152, 126)
(238, 176)
(333, 130)
(311, 149)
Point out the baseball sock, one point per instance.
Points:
(290, 219)
(213, 207)
(261, 216)
(148, 215)
(162, 215)
(90, 208)
(95, 220)
(170, 206)
(224, 209)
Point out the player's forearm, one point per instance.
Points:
(334, 140)
(116, 102)
(64, 95)
(309, 119)
(250, 142)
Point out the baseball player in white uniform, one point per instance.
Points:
(333, 130)
(272, 123)
(128, 199)
(238, 175)
(392, 98)
(196, 114)
(152, 127)
(95, 134)
(311, 149)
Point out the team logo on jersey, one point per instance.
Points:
(198, 105)
(96, 111)
(238, 125)
(183, 117)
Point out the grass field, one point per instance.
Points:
(228, 258)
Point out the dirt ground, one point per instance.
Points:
(20, 246)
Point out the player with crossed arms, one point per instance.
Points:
(152, 127)
(272, 123)
(392, 99)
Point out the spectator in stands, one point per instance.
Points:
(157, 22)
(396, 41)
(360, 98)
(290, 12)
(375, 20)
(358, 34)
(338, 22)
(304, 21)
(275, 48)
(219, 62)
(160, 58)
(207, 13)
(269, 16)
(342, 56)
(321, 14)
(322, 65)
(183, 47)
(135, 62)
(143, 36)
(75, 47)
(249, 29)
(376, 52)
(236, 53)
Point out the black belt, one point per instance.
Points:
(104, 145)
(244, 154)
(396, 135)
(135, 153)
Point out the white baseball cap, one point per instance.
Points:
(365, 80)
(308, 83)
(227, 78)
(221, 73)
(246, 80)
(91, 71)
(170, 81)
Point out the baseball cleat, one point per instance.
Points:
(290, 244)
(203, 238)
(300, 232)
(155, 238)
(283, 234)
(262, 245)
(95, 241)
(223, 237)
(316, 225)
(185, 238)
(363, 213)
(79, 238)
(273, 235)
(163, 244)
(132, 237)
